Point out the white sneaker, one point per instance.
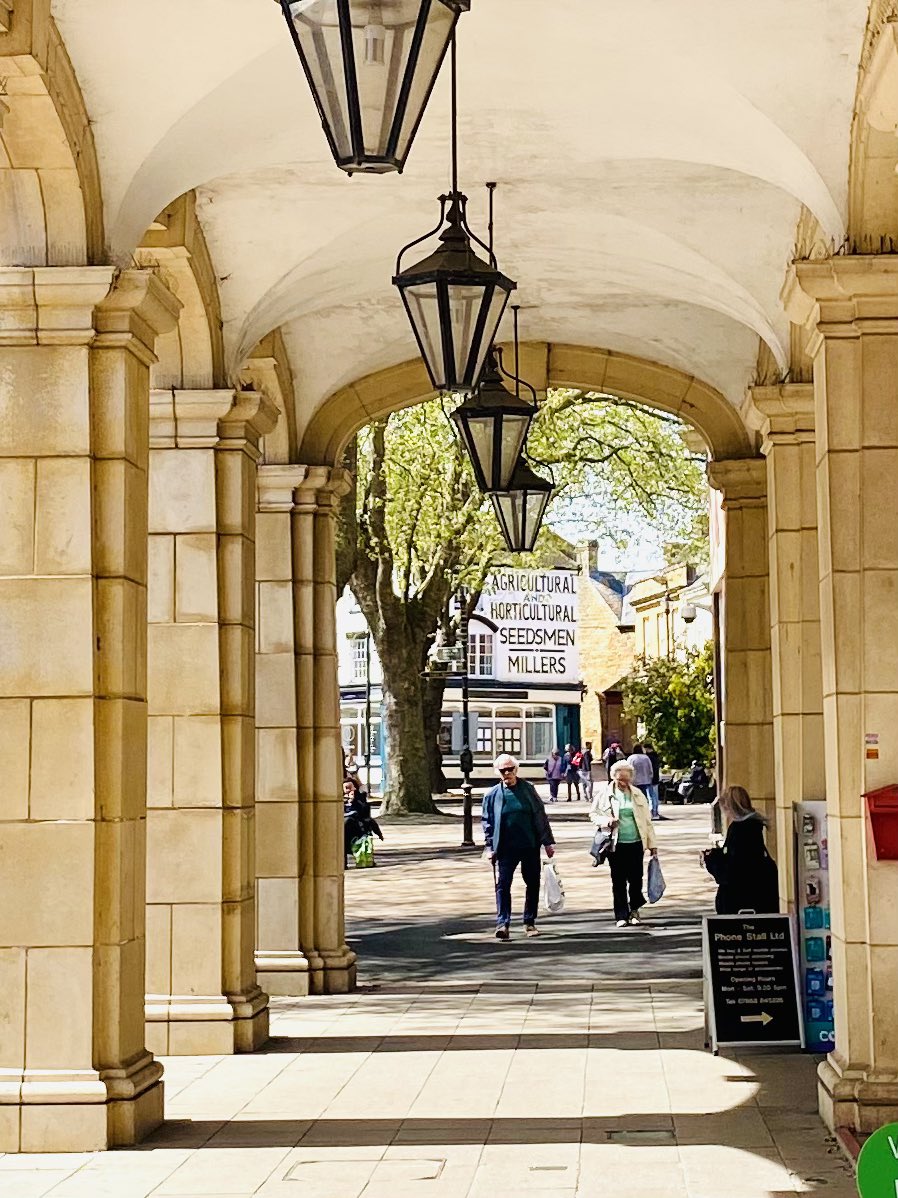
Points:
(622, 923)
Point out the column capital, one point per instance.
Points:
(781, 414)
(742, 482)
(322, 487)
(275, 487)
(51, 305)
(187, 419)
(135, 312)
(835, 295)
(246, 422)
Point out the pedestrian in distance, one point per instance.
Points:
(572, 759)
(612, 754)
(586, 771)
(643, 771)
(555, 770)
(653, 792)
(622, 809)
(746, 875)
(515, 826)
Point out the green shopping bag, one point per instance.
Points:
(363, 852)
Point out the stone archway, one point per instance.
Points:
(544, 365)
(735, 470)
(49, 178)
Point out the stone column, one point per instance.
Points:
(851, 306)
(74, 385)
(321, 914)
(746, 673)
(784, 415)
(280, 962)
(202, 995)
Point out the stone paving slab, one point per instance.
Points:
(569, 1067)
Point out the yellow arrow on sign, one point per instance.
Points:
(762, 1018)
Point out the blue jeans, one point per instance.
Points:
(531, 872)
(652, 793)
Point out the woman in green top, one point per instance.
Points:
(623, 809)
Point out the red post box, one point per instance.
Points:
(883, 807)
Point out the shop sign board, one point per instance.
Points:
(535, 614)
(751, 981)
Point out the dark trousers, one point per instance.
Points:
(554, 783)
(531, 872)
(626, 878)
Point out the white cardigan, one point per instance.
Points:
(604, 811)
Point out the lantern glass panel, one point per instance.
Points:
(424, 313)
(514, 432)
(465, 304)
(440, 23)
(317, 28)
(507, 506)
(481, 434)
(497, 303)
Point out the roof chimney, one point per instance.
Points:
(589, 556)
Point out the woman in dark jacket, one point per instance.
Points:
(745, 873)
(357, 818)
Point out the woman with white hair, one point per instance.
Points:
(515, 825)
(622, 809)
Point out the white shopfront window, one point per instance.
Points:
(527, 731)
(480, 655)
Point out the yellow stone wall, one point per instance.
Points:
(606, 652)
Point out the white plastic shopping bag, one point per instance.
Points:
(553, 889)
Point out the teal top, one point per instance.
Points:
(628, 830)
(517, 821)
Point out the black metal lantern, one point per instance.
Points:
(521, 508)
(371, 65)
(493, 424)
(454, 300)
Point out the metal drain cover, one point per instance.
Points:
(649, 1136)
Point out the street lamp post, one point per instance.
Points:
(466, 757)
(368, 712)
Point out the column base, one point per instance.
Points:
(82, 1111)
(283, 973)
(854, 1100)
(337, 974)
(206, 1025)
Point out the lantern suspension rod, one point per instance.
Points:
(516, 308)
(454, 115)
(491, 188)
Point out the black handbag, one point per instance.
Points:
(602, 846)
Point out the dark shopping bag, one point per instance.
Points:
(602, 846)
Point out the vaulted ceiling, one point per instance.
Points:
(653, 162)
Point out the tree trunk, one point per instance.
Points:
(408, 788)
(433, 690)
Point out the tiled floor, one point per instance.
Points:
(573, 1065)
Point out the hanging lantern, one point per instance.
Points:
(493, 424)
(520, 510)
(371, 65)
(454, 300)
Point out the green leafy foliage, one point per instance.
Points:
(673, 700)
(621, 466)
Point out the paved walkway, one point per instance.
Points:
(464, 1068)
